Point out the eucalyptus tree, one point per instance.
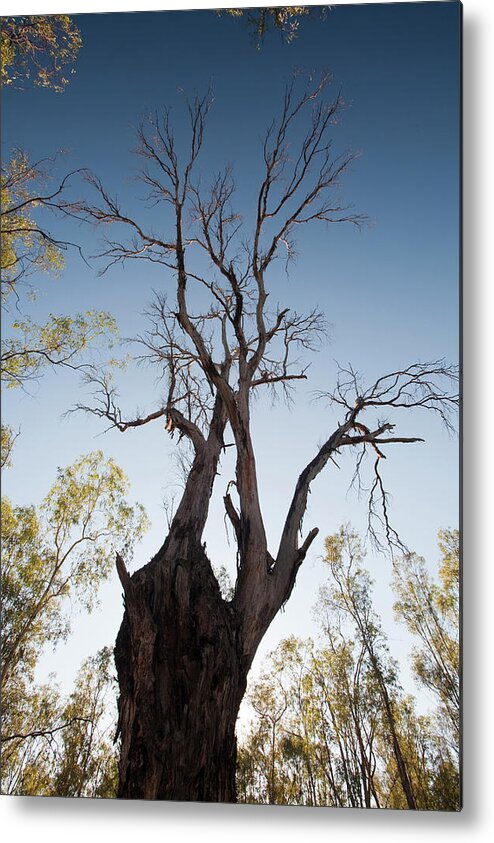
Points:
(284, 19)
(86, 756)
(35, 50)
(332, 725)
(53, 556)
(312, 740)
(59, 552)
(183, 652)
(62, 747)
(270, 704)
(351, 594)
(431, 612)
(39, 50)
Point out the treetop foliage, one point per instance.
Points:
(54, 558)
(332, 724)
(64, 548)
(29, 191)
(284, 19)
(38, 49)
(59, 342)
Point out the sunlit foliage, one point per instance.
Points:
(29, 248)
(7, 444)
(87, 757)
(284, 19)
(332, 724)
(62, 747)
(60, 341)
(28, 196)
(38, 49)
(430, 610)
(63, 549)
(54, 558)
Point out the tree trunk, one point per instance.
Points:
(181, 681)
(390, 718)
(183, 653)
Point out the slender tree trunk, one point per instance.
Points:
(391, 721)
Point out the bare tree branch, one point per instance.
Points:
(211, 360)
(41, 733)
(421, 385)
(27, 244)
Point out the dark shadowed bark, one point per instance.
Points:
(181, 683)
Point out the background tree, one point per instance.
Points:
(183, 653)
(270, 706)
(29, 247)
(315, 759)
(334, 741)
(67, 750)
(42, 566)
(87, 757)
(35, 48)
(284, 19)
(7, 444)
(347, 703)
(431, 765)
(431, 612)
(38, 49)
(53, 556)
(31, 194)
(61, 341)
(351, 594)
(327, 716)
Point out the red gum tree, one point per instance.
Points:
(183, 652)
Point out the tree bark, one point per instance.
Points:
(180, 663)
(183, 652)
(181, 682)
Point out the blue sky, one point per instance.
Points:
(389, 291)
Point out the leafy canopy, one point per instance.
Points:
(7, 444)
(61, 550)
(59, 342)
(430, 610)
(285, 19)
(62, 747)
(54, 558)
(38, 49)
(329, 719)
(28, 194)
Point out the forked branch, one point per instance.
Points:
(431, 386)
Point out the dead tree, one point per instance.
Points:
(183, 652)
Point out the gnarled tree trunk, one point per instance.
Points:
(181, 670)
(183, 652)
(181, 682)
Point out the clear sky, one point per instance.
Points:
(389, 291)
